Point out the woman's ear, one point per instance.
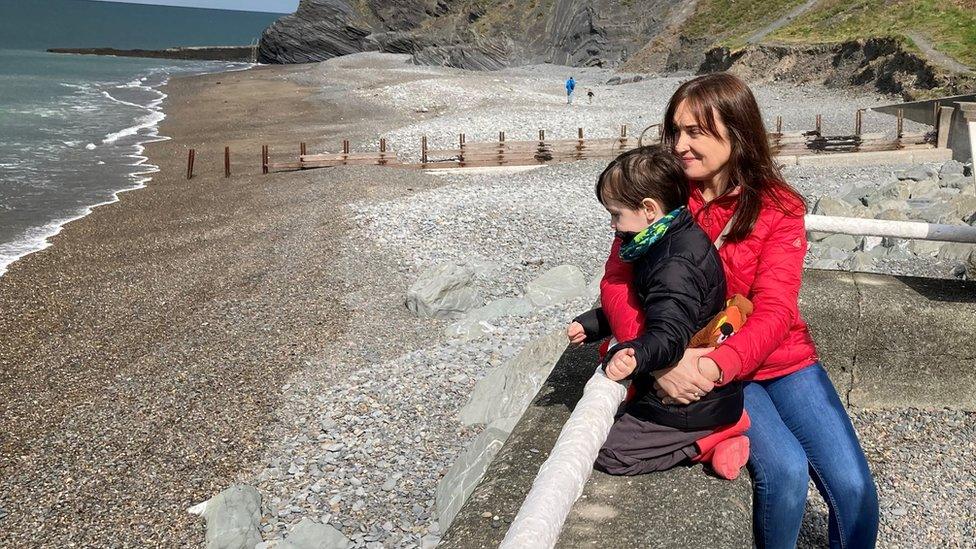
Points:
(652, 209)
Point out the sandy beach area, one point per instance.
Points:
(251, 329)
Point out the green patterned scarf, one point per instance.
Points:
(638, 246)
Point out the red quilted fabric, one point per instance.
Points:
(767, 268)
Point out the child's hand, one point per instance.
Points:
(621, 365)
(576, 333)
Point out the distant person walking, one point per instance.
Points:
(589, 95)
(570, 88)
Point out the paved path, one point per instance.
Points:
(937, 56)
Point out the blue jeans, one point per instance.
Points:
(800, 430)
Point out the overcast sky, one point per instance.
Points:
(273, 6)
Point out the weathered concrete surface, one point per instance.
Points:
(612, 512)
(243, 54)
(891, 342)
(829, 304)
(683, 507)
(869, 158)
(916, 345)
(886, 342)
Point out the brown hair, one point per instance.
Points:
(750, 166)
(652, 171)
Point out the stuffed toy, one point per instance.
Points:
(724, 324)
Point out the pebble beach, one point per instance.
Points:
(252, 330)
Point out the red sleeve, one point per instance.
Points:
(618, 297)
(775, 298)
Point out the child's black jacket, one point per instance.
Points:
(681, 286)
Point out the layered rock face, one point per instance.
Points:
(319, 30)
(471, 34)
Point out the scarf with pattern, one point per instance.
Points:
(633, 248)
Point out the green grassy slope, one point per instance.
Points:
(730, 22)
(950, 25)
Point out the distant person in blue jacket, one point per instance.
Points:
(570, 87)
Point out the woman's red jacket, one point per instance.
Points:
(766, 267)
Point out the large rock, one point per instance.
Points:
(896, 190)
(461, 479)
(309, 534)
(833, 207)
(963, 206)
(854, 194)
(952, 167)
(477, 322)
(506, 390)
(233, 518)
(957, 181)
(925, 247)
(443, 291)
(844, 242)
(918, 173)
(956, 251)
(929, 210)
(924, 188)
(556, 285)
(892, 214)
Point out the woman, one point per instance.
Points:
(800, 430)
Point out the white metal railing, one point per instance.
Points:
(899, 229)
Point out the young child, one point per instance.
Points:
(672, 274)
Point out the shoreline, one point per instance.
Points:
(38, 238)
(147, 321)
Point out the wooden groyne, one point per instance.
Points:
(789, 147)
(504, 152)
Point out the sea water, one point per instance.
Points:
(73, 127)
(72, 133)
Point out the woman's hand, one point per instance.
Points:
(683, 383)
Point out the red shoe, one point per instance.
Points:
(729, 456)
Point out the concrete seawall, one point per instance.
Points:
(887, 342)
(244, 54)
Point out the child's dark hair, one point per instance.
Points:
(652, 171)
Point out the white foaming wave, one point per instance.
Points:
(151, 120)
(39, 238)
(121, 102)
(85, 87)
(36, 239)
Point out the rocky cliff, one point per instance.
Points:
(634, 35)
(878, 64)
(473, 34)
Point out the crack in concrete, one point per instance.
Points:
(857, 334)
